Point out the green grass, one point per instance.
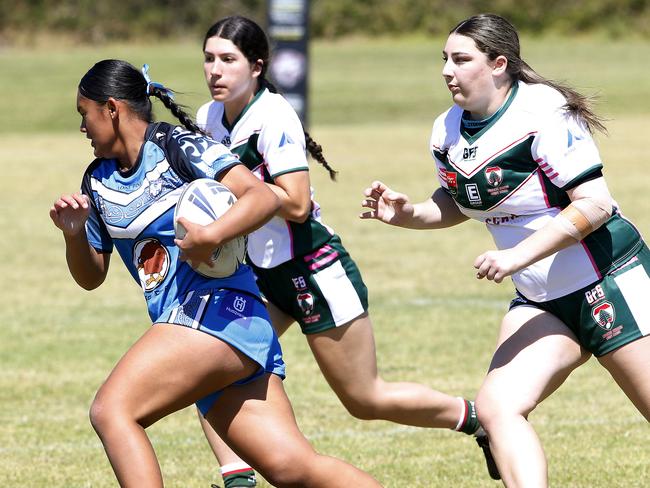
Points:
(433, 322)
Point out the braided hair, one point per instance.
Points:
(251, 40)
(123, 81)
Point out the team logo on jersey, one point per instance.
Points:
(451, 178)
(473, 195)
(285, 139)
(152, 261)
(155, 187)
(469, 153)
(604, 315)
(494, 176)
(573, 137)
(306, 303)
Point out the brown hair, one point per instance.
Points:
(494, 36)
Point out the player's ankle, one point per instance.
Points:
(467, 421)
(238, 475)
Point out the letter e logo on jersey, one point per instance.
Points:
(604, 315)
(152, 260)
(473, 194)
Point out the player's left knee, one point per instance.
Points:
(363, 407)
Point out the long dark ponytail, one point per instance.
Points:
(495, 36)
(251, 40)
(121, 80)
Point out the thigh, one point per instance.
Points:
(280, 320)
(535, 354)
(169, 368)
(346, 355)
(629, 366)
(260, 407)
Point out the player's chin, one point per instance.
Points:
(218, 94)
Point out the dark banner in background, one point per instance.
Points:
(288, 28)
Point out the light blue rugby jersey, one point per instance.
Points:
(134, 212)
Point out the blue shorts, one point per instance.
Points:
(235, 317)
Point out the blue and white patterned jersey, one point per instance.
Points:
(133, 211)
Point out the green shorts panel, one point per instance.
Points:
(320, 290)
(609, 313)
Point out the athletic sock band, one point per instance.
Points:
(467, 422)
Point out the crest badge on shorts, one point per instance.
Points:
(604, 315)
(306, 303)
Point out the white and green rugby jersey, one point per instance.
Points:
(513, 175)
(269, 139)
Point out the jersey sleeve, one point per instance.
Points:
(565, 150)
(446, 179)
(197, 156)
(96, 231)
(202, 115)
(282, 142)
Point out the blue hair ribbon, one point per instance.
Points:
(153, 84)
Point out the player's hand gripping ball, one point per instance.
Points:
(202, 202)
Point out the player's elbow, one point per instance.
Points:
(298, 211)
(302, 214)
(89, 283)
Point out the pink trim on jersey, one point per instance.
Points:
(245, 139)
(290, 232)
(591, 259)
(327, 259)
(259, 175)
(541, 184)
(548, 170)
(318, 253)
(627, 263)
(500, 151)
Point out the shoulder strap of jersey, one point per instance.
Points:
(162, 134)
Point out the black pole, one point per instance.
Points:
(288, 27)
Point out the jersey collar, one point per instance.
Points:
(224, 121)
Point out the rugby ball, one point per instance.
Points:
(203, 201)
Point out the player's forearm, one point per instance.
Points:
(87, 267)
(437, 212)
(586, 213)
(254, 207)
(295, 208)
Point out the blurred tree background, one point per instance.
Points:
(25, 21)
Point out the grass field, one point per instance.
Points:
(434, 323)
